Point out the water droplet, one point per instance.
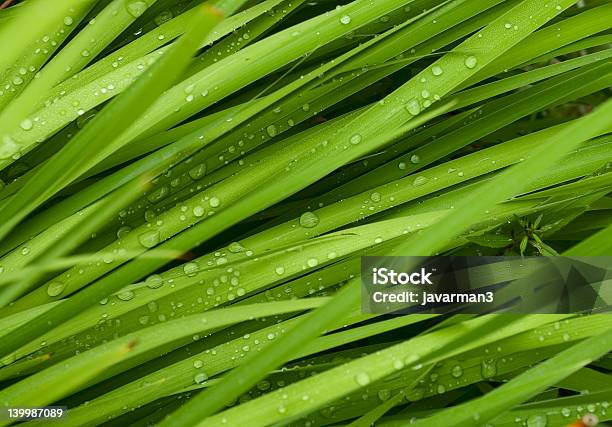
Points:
(355, 139)
(26, 124)
(136, 7)
(198, 171)
(415, 159)
(55, 288)
(375, 197)
(362, 379)
(488, 368)
(537, 421)
(271, 130)
(164, 16)
(508, 25)
(457, 371)
(471, 62)
(312, 262)
(148, 239)
(419, 180)
(413, 107)
(125, 295)
(198, 363)
(309, 220)
(200, 378)
(235, 247)
(191, 268)
(345, 19)
(198, 211)
(68, 20)
(436, 70)
(415, 394)
(85, 53)
(154, 281)
(280, 270)
(214, 202)
(9, 148)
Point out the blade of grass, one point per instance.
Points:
(525, 385)
(63, 167)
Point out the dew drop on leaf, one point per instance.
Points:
(384, 394)
(198, 211)
(488, 368)
(537, 421)
(190, 268)
(419, 180)
(200, 378)
(436, 70)
(8, 148)
(154, 281)
(26, 124)
(471, 62)
(235, 247)
(356, 139)
(271, 130)
(362, 378)
(198, 171)
(214, 202)
(148, 239)
(136, 7)
(345, 19)
(125, 295)
(164, 16)
(309, 220)
(457, 371)
(55, 288)
(413, 107)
